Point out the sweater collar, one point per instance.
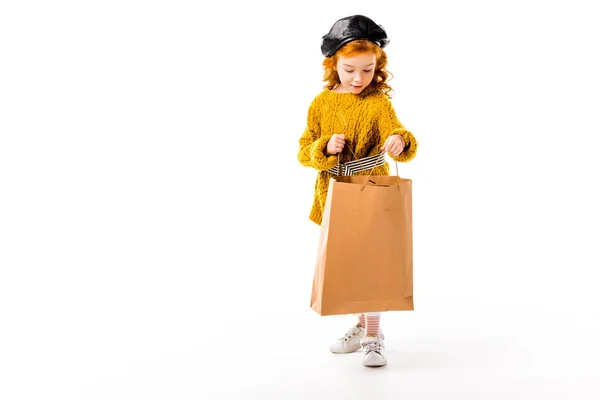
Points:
(369, 90)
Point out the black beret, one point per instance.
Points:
(356, 27)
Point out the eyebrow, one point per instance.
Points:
(348, 65)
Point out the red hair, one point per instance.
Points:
(354, 48)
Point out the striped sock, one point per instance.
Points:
(373, 324)
(361, 320)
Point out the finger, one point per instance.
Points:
(387, 145)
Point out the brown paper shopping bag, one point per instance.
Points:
(364, 259)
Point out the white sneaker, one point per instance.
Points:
(350, 342)
(373, 352)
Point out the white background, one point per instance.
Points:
(154, 232)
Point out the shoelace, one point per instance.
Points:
(369, 347)
(351, 333)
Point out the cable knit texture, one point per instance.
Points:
(366, 119)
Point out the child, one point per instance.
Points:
(354, 113)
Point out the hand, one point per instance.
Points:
(393, 145)
(336, 144)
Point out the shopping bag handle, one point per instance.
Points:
(367, 179)
(357, 159)
(348, 147)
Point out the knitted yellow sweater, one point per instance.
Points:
(366, 119)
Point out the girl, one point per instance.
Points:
(354, 113)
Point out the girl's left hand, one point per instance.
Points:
(393, 145)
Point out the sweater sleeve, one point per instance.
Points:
(388, 125)
(312, 144)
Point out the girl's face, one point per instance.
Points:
(356, 72)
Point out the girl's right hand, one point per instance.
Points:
(336, 144)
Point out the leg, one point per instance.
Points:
(361, 320)
(372, 343)
(372, 327)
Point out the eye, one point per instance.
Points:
(349, 71)
(367, 70)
